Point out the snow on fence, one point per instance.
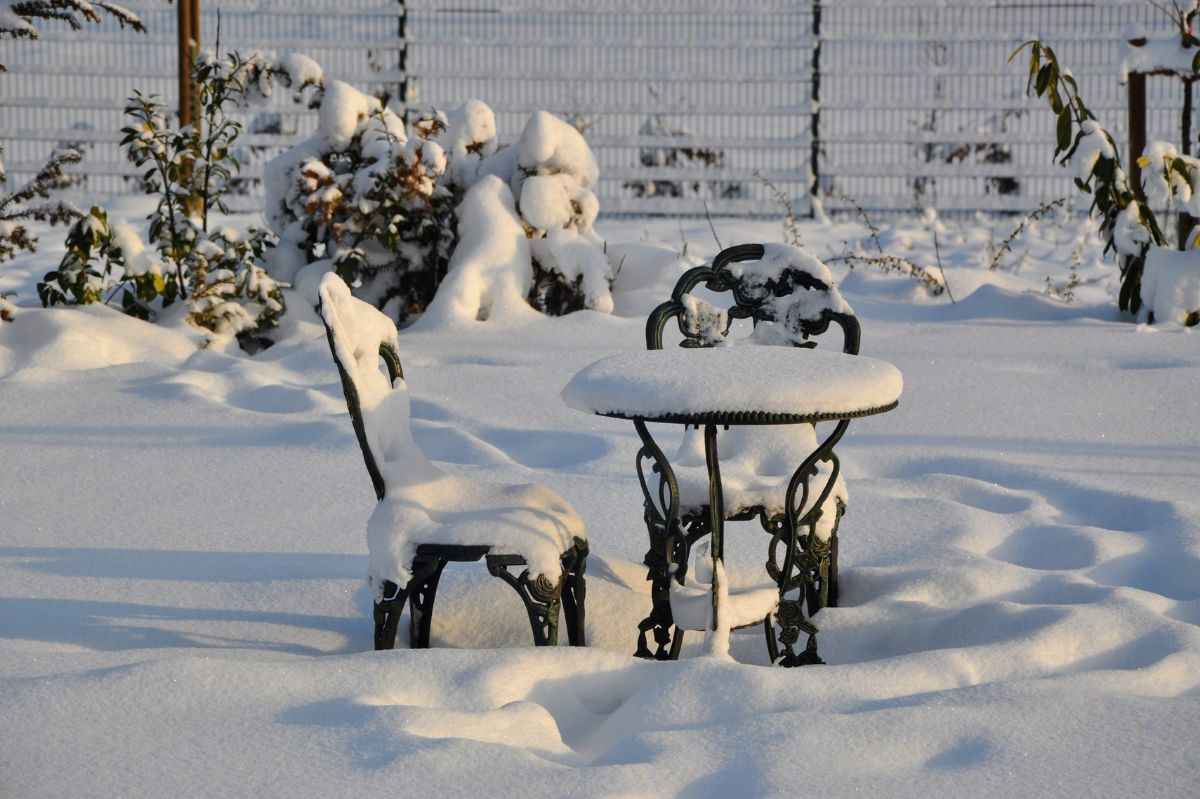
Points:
(686, 102)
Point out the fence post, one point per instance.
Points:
(1137, 129)
(402, 55)
(815, 130)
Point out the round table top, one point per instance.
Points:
(735, 385)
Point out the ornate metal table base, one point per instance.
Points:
(800, 564)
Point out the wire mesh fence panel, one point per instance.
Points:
(684, 103)
(920, 107)
(688, 104)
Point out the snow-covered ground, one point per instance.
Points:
(182, 552)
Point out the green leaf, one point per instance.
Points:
(1064, 130)
(1043, 79)
(1056, 103)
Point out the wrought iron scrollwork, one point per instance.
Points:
(753, 298)
(666, 559)
(541, 598)
(803, 573)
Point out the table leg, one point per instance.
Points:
(668, 547)
(716, 510)
(801, 565)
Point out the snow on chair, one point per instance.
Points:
(425, 517)
(788, 295)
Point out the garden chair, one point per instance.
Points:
(425, 517)
(789, 297)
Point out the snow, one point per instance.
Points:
(1092, 147)
(734, 380)
(343, 109)
(1129, 234)
(182, 547)
(1162, 52)
(757, 462)
(550, 144)
(9, 21)
(692, 602)
(301, 71)
(1171, 284)
(470, 138)
(490, 271)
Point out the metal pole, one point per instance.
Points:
(815, 129)
(1186, 220)
(188, 14)
(402, 56)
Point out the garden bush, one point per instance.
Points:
(376, 199)
(1127, 222)
(216, 270)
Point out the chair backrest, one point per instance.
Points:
(360, 338)
(785, 291)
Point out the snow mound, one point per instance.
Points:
(490, 272)
(88, 337)
(1171, 285)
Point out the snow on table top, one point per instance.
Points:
(727, 381)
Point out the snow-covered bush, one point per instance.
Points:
(384, 204)
(552, 184)
(32, 202)
(217, 271)
(1127, 223)
(19, 18)
(375, 196)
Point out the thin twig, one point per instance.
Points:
(1006, 245)
(711, 227)
(937, 250)
(866, 219)
(895, 263)
(790, 230)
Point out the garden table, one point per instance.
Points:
(723, 386)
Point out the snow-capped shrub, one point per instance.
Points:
(375, 196)
(1171, 286)
(552, 183)
(1127, 224)
(19, 19)
(8, 311)
(539, 187)
(230, 294)
(380, 200)
(217, 271)
(93, 270)
(32, 202)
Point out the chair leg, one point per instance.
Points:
(387, 615)
(574, 592)
(422, 590)
(541, 597)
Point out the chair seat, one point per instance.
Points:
(530, 521)
(757, 462)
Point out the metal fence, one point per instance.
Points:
(687, 103)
